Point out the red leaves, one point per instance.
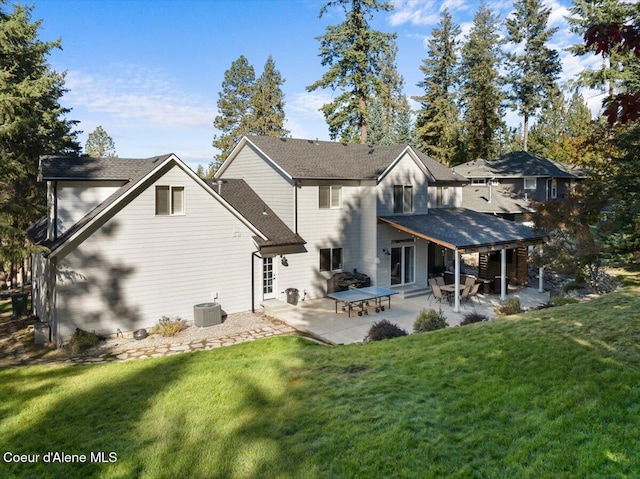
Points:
(624, 107)
(605, 37)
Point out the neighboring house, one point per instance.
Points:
(506, 186)
(130, 241)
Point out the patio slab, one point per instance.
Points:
(318, 316)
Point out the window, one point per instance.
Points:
(529, 183)
(478, 181)
(554, 189)
(402, 199)
(329, 197)
(442, 195)
(169, 200)
(330, 259)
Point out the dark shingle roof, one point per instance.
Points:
(476, 198)
(309, 159)
(86, 168)
(247, 202)
(514, 165)
(462, 228)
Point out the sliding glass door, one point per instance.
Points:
(403, 265)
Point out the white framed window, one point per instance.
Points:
(442, 195)
(330, 197)
(478, 181)
(330, 259)
(530, 183)
(169, 200)
(402, 199)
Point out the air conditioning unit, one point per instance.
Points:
(207, 314)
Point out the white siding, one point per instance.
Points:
(138, 267)
(270, 184)
(40, 299)
(325, 228)
(385, 235)
(405, 172)
(74, 199)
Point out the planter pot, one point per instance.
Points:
(140, 334)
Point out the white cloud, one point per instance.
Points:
(416, 12)
(133, 93)
(308, 104)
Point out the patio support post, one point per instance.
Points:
(503, 274)
(540, 280)
(456, 306)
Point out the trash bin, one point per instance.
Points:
(19, 304)
(41, 333)
(292, 295)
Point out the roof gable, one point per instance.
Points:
(327, 160)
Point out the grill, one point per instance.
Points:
(344, 281)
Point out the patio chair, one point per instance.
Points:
(474, 293)
(440, 280)
(469, 281)
(436, 292)
(464, 296)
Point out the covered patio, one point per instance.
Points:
(465, 231)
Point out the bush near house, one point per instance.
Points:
(82, 340)
(511, 306)
(429, 320)
(471, 318)
(169, 327)
(384, 330)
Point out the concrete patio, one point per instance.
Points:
(318, 316)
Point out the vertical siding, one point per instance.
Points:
(138, 267)
(271, 185)
(76, 198)
(385, 235)
(405, 172)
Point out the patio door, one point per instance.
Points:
(403, 265)
(268, 279)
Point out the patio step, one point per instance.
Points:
(414, 292)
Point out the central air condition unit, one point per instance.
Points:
(207, 314)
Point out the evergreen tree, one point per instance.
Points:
(613, 72)
(534, 71)
(100, 145)
(234, 107)
(437, 122)
(403, 125)
(481, 95)
(356, 56)
(33, 124)
(267, 103)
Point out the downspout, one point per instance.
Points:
(295, 212)
(254, 255)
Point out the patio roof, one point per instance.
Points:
(465, 230)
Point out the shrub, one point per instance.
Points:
(429, 320)
(170, 327)
(384, 330)
(82, 340)
(562, 301)
(471, 318)
(572, 286)
(546, 305)
(512, 306)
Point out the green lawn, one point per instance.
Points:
(553, 394)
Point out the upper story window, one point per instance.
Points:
(442, 195)
(478, 181)
(329, 197)
(169, 200)
(530, 183)
(402, 199)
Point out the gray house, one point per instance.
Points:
(130, 241)
(506, 186)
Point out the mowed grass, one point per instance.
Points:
(550, 394)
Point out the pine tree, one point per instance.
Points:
(613, 71)
(234, 106)
(356, 56)
(437, 122)
(534, 71)
(481, 95)
(100, 145)
(33, 124)
(267, 103)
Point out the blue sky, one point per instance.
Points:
(149, 71)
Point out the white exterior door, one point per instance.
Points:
(402, 265)
(268, 279)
